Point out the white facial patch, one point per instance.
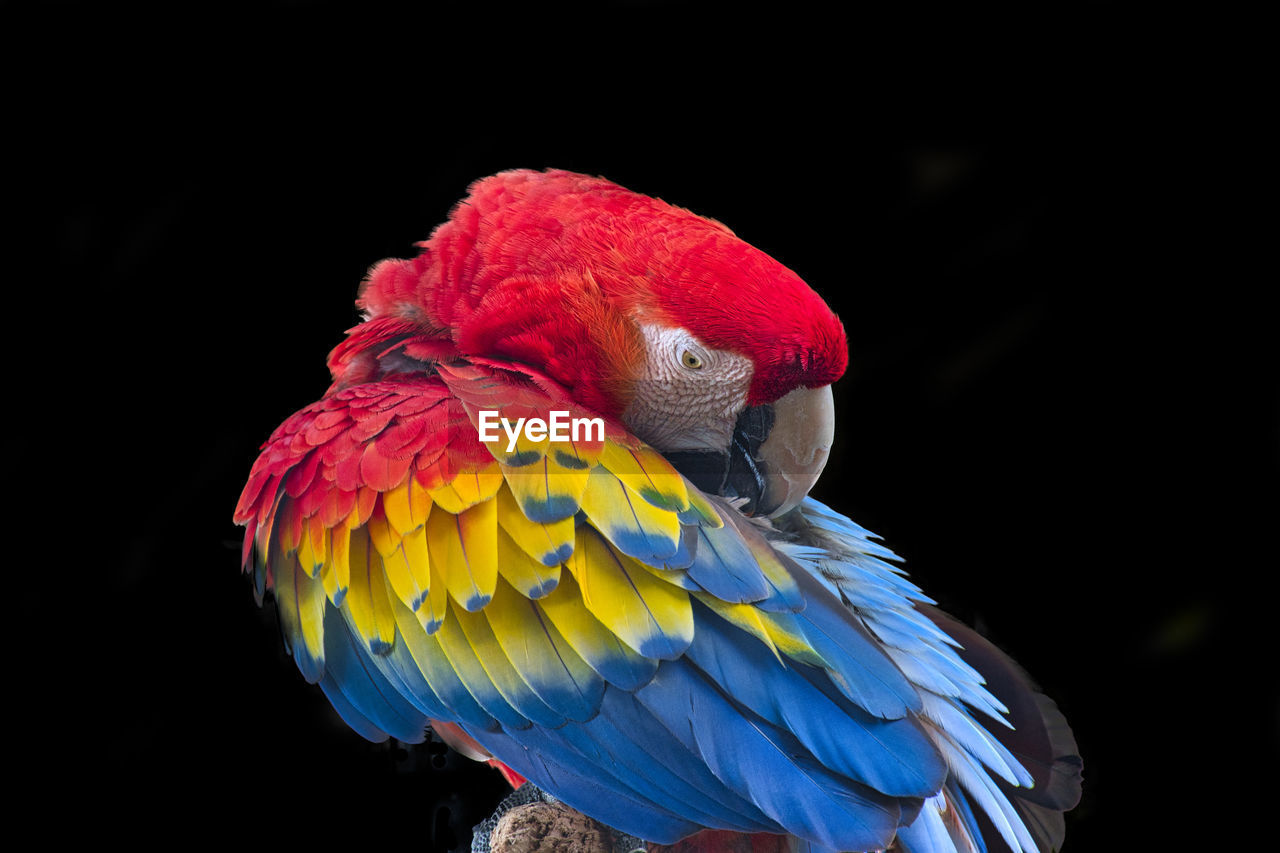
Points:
(689, 395)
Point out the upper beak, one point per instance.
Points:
(792, 454)
(775, 456)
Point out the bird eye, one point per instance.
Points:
(690, 360)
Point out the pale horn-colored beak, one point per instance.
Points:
(796, 449)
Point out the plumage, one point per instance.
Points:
(350, 672)
(406, 507)
(601, 648)
(651, 616)
(548, 543)
(301, 606)
(637, 527)
(545, 490)
(645, 472)
(430, 661)
(541, 657)
(478, 638)
(465, 548)
(367, 601)
(468, 489)
(892, 756)
(530, 577)
(722, 565)
(579, 610)
(764, 763)
(336, 572)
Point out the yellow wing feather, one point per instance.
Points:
(548, 543)
(531, 578)
(464, 547)
(336, 574)
(367, 600)
(651, 616)
(407, 506)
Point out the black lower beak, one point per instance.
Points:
(736, 472)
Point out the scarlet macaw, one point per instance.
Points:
(649, 619)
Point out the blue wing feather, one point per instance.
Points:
(348, 712)
(766, 765)
(862, 669)
(895, 757)
(588, 790)
(724, 567)
(357, 678)
(626, 752)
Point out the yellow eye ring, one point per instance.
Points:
(690, 360)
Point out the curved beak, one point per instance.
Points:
(775, 456)
(795, 451)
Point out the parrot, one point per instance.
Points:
(554, 507)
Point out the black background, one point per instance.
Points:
(1059, 408)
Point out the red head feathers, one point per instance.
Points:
(553, 269)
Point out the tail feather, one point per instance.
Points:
(1040, 738)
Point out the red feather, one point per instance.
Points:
(547, 269)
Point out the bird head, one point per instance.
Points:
(665, 321)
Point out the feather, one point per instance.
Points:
(336, 574)
(498, 668)
(618, 747)
(978, 785)
(683, 557)
(783, 593)
(465, 490)
(546, 490)
(530, 577)
(456, 648)
(400, 670)
(407, 506)
(300, 601)
(358, 722)
(635, 526)
(599, 647)
(408, 569)
(975, 740)
(857, 664)
(743, 617)
(549, 543)
(786, 635)
(653, 617)
(379, 471)
(366, 601)
(894, 757)
(701, 511)
(724, 566)
(768, 766)
(927, 833)
(312, 547)
(365, 688)
(430, 660)
(541, 657)
(589, 792)
(646, 472)
(652, 751)
(385, 538)
(581, 454)
(463, 548)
